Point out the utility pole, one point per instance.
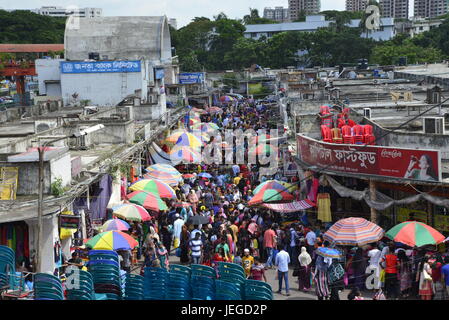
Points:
(372, 189)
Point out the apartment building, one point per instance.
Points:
(280, 14)
(309, 7)
(394, 8)
(430, 8)
(356, 5)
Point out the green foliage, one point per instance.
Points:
(27, 27)
(230, 81)
(56, 188)
(390, 53)
(254, 18)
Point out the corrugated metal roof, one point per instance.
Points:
(20, 48)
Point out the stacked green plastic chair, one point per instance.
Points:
(233, 273)
(202, 282)
(104, 267)
(155, 283)
(8, 268)
(82, 288)
(134, 287)
(257, 290)
(47, 287)
(179, 287)
(225, 290)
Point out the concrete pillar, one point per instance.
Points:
(116, 198)
(50, 234)
(372, 189)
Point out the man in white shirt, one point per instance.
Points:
(177, 228)
(311, 239)
(195, 230)
(374, 260)
(282, 261)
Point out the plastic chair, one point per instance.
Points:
(337, 137)
(198, 269)
(348, 137)
(358, 134)
(180, 269)
(368, 135)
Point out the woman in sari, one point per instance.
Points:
(305, 261)
(424, 276)
(184, 245)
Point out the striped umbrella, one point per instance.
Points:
(266, 195)
(131, 212)
(415, 234)
(112, 240)
(192, 120)
(184, 154)
(199, 111)
(213, 110)
(263, 149)
(156, 187)
(147, 200)
(206, 127)
(189, 140)
(274, 184)
(227, 99)
(354, 232)
(165, 173)
(182, 205)
(173, 138)
(115, 224)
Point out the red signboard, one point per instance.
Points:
(424, 165)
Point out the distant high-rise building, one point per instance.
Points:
(356, 5)
(53, 11)
(173, 23)
(430, 8)
(394, 8)
(308, 7)
(280, 14)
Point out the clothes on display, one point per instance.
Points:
(324, 207)
(15, 236)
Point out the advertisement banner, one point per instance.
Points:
(69, 222)
(100, 66)
(191, 78)
(423, 165)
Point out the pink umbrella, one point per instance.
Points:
(253, 227)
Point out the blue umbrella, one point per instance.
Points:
(205, 175)
(328, 252)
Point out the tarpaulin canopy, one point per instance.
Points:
(290, 207)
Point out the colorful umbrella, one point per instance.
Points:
(165, 173)
(266, 195)
(263, 149)
(415, 234)
(174, 137)
(156, 187)
(188, 176)
(189, 140)
(328, 252)
(274, 184)
(205, 175)
(112, 240)
(131, 212)
(192, 121)
(147, 200)
(206, 127)
(262, 138)
(354, 232)
(253, 227)
(115, 224)
(199, 111)
(227, 99)
(184, 154)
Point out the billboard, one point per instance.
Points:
(191, 78)
(100, 66)
(424, 165)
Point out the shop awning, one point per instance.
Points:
(290, 207)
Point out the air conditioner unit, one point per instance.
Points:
(434, 125)
(44, 125)
(367, 113)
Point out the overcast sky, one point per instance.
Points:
(182, 10)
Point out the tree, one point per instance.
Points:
(245, 53)
(389, 54)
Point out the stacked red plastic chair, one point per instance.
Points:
(348, 137)
(368, 135)
(326, 134)
(358, 134)
(337, 137)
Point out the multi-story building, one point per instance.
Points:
(308, 7)
(53, 11)
(394, 8)
(356, 5)
(280, 14)
(430, 8)
(173, 23)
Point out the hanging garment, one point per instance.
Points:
(313, 190)
(324, 207)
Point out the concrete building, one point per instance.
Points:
(280, 14)
(394, 8)
(308, 7)
(63, 12)
(313, 23)
(173, 23)
(356, 5)
(110, 59)
(430, 8)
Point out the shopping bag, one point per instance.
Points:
(176, 243)
(382, 276)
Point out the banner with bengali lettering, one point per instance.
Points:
(100, 66)
(414, 164)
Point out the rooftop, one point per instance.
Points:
(30, 48)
